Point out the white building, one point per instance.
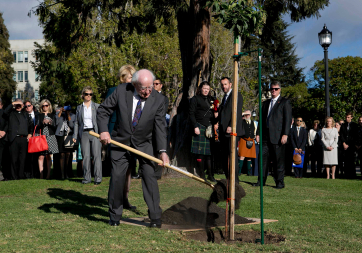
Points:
(25, 74)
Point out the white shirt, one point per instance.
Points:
(87, 116)
(274, 101)
(136, 97)
(311, 138)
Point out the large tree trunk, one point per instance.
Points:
(194, 40)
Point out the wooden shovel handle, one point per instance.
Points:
(156, 160)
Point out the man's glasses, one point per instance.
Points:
(45, 105)
(299, 120)
(146, 88)
(157, 83)
(27, 105)
(88, 94)
(271, 89)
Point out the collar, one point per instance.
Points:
(275, 99)
(227, 94)
(85, 105)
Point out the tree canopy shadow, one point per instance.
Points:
(89, 207)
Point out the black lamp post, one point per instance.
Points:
(325, 39)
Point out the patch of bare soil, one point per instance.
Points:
(199, 213)
(247, 236)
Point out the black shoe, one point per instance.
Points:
(155, 223)
(113, 223)
(128, 206)
(136, 177)
(279, 186)
(97, 183)
(85, 182)
(211, 179)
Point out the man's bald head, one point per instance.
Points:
(142, 80)
(247, 114)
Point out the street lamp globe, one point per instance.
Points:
(325, 37)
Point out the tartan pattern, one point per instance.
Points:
(200, 144)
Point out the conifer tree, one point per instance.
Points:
(7, 84)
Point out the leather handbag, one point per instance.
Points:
(37, 143)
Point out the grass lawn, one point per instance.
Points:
(315, 215)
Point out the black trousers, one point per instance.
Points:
(274, 155)
(3, 168)
(18, 149)
(225, 144)
(349, 163)
(316, 156)
(151, 195)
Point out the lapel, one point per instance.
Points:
(129, 101)
(275, 105)
(148, 106)
(81, 112)
(94, 113)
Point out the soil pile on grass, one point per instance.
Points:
(198, 212)
(246, 236)
(220, 193)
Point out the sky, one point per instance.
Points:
(342, 18)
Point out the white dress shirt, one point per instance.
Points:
(227, 95)
(136, 97)
(87, 116)
(274, 101)
(311, 137)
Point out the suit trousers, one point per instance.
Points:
(120, 163)
(2, 147)
(274, 154)
(225, 157)
(349, 163)
(91, 147)
(18, 149)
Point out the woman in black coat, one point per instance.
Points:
(202, 117)
(46, 124)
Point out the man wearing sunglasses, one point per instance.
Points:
(140, 117)
(157, 85)
(276, 121)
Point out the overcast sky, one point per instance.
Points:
(342, 18)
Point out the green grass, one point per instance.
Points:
(315, 215)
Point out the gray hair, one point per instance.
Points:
(275, 83)
(19, 99)
(136, 76)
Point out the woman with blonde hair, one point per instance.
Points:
(46, 124)
(330, 144)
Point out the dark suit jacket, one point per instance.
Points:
(299, 142)
(224, 117)
(13, 122)
(166, 103)
(280, 119)
(40, 125)
(113, 118)
(349, 137)
(152, 120)
(79, 120)
(3, 124)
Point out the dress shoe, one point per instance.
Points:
(257, 184)
(279, 186)
(85, 182)
(128, 206)
(97, 183)
(113, 223)
(155, 223)
(211, 179)
(136, 177)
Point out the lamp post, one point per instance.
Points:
(325, 40)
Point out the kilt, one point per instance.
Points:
(244, 151)
(200, 144)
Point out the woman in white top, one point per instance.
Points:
(330, 144)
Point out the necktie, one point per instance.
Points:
(271, 106)
(224, 99)
(298, 131)
(137, 114)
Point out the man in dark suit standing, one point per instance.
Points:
(31, 168)
(348, 135)
(299, 139)
(140, 115)
(276, 121)
(20, 129)
(224, 120)
(157, 85)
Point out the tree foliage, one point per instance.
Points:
(7, 84)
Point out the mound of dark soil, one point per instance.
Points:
(247, 236)
(220, 193)
(198, 212)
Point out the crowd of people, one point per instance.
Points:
(135, 113)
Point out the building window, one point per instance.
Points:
(14, 54)
(20, 94)
(25, 56)
(26, 76)
(14, 96)
(37, 77)
(20, 76)
(20, 56)
(14, 76)
(36, 95)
